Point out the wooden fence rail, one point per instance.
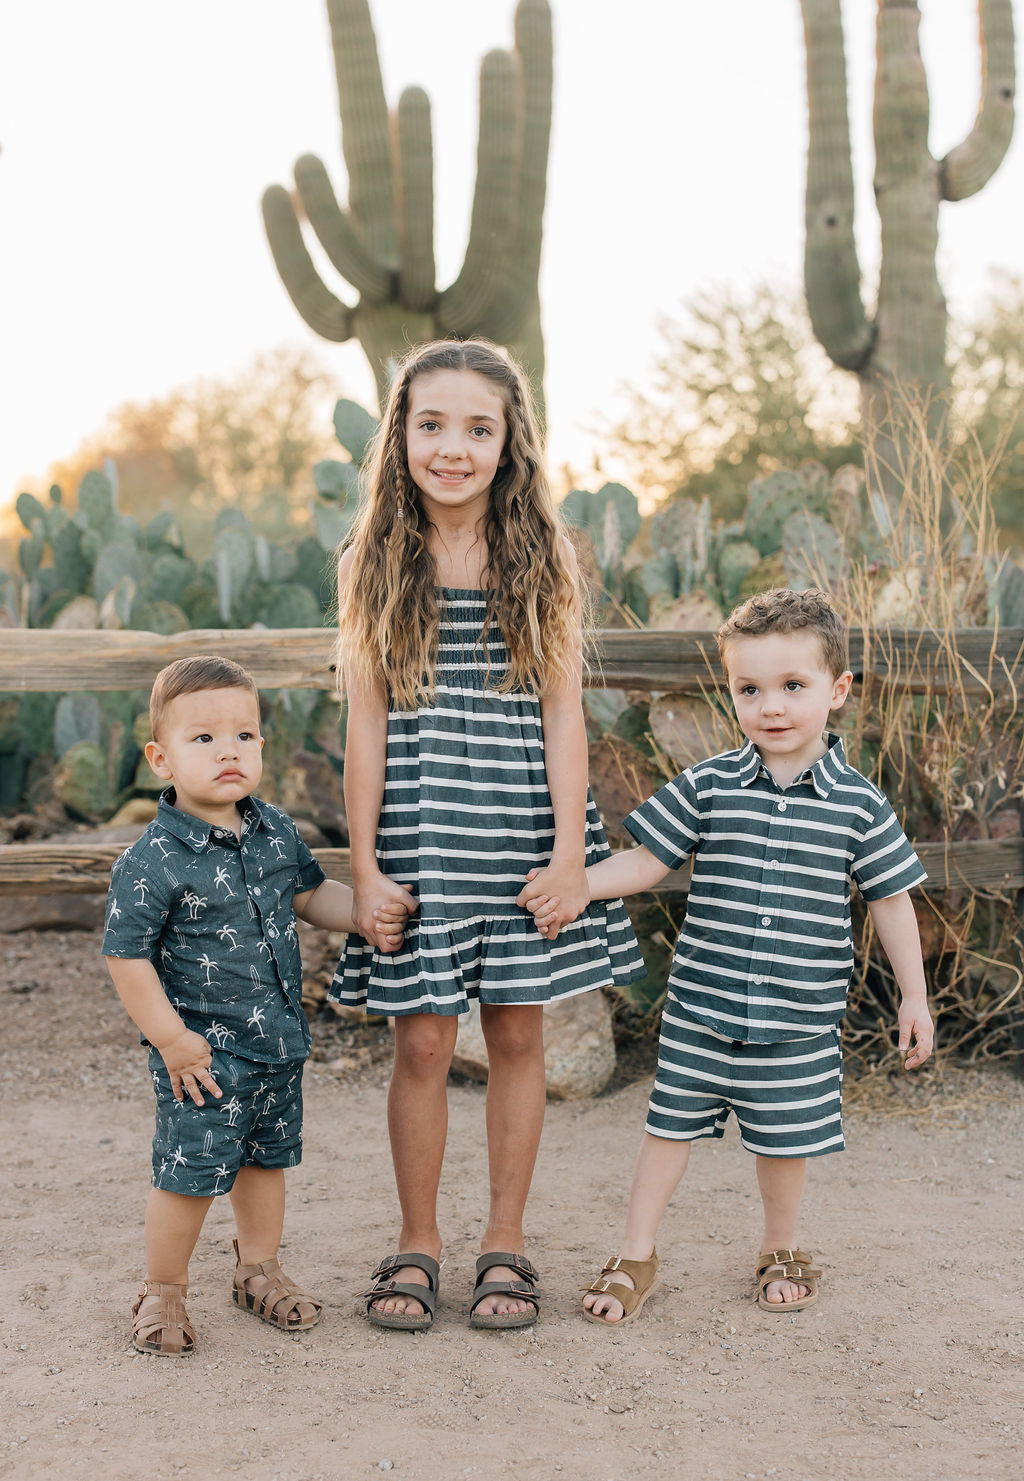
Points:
(43, 660)
(38, 660)
(983, 865)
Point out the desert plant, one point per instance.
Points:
(383, 242)
(905, 338)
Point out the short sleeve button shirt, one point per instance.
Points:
(766, 950)
(214, 914)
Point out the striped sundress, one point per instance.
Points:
(466, 813)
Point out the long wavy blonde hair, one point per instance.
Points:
(389, 608)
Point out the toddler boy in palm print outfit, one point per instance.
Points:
(202, 946)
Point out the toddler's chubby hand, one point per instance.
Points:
(544, 909)
(390, 920)
(554, 896)
(917, 1032)
(188, 1057)
(379, 906)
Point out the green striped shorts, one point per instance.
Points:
(787, 1096)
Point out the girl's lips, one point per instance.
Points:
(448, 475)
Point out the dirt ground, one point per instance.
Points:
(910, 1367)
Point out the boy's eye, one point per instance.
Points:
(246, 735)
(204, 738)
(793, 685)
(748, 690)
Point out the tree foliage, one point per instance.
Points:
(248, 441)
(740, 388)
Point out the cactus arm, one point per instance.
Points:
(535, 50)
(365, 131)
(831, 269)
(416, 200)
(463, 306)
(911, 319)
(972, 163)
(324, 313)
(337, 235)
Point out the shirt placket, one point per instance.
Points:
(776, 849)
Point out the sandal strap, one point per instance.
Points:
(522, 1288)
(282, 1289)
(523, 1267)
(785, 1265)
(391, 1264)
(169, 1318)
(425, 1295)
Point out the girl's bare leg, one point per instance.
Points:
(660, 1164)
(781, 1180)
(516, 1090)
(418, 1127)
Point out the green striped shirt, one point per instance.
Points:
(766, 949)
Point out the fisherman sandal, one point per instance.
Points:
(278, 1300)
(525, 1289)
(794, 1265)
(385, 1285)
(164, 1328)
(643, 1273)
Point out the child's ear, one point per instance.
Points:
(157, 760)
(841, 689)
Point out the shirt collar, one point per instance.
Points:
(195, 832)
(823, 775)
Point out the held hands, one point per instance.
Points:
(380, 908)
(555, 896)
(917, 1033)
(188, 1058)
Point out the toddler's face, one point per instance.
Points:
(210, 747)
(783, 693)
(454, 433)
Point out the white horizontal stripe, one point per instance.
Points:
(805, 1149)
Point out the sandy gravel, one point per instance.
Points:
(910, 1367)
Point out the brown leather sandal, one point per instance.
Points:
(644, 1274)
(524, 1288)
(794, 1265)
(164, 1329)
(281, 1303)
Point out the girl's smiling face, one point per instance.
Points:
(455, 433)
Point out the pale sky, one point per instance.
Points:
(138, 137)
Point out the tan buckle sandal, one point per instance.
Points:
(644, 1275)
(281, 1303)
(794, 1265)
(168, 1318)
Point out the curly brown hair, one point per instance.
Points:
(784, 611)
(389, 608)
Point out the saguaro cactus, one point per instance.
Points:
(383, 242)
(905, 339)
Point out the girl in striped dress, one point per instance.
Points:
(460, 651)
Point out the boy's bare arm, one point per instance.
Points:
(329, 906)
(627, 873)
(186, 1054)
(895, 925)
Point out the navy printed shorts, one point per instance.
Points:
(198, 1150)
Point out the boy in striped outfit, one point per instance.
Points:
(778, 829)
